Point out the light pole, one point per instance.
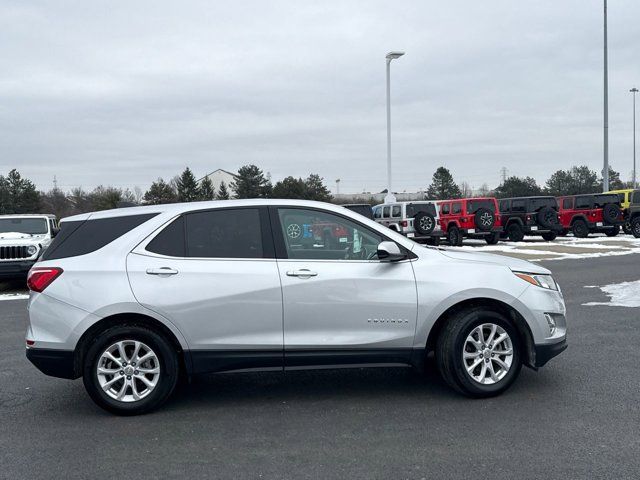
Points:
(389, 197)
(337, 186)
(634, 90)
(605, 170)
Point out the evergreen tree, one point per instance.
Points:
(223, 192)
(290, 187)
(251, 183)
(187, 187)
(316, 189)
(159, 193)
(442, 186)
(584, 180)
(614, 181)
(518, 187)
(206, 189)
(559, 183)
(17, 194)
(105, 198)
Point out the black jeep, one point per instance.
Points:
(634, 213)
(530, 216)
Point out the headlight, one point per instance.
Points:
(544, 281)
(31, 250)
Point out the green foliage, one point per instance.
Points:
(187, 187)
(518, 187)
(206, 189)
(577, 180)
(56, 202)
(251, 183)
(17, 194)
(223, 192)
(105, 198)
(614, 181)
(442, 186)
(312, 188)
(160, 192)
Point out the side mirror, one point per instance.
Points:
(390, 252)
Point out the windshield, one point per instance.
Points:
(33, 226)
(538, 203)
(474, 205)
(413, 208)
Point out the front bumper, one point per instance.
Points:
(15, 269)
(544, 353)
(55, 363)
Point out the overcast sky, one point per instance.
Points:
(124, 92)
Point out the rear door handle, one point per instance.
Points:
(162, 271)
(304, 273)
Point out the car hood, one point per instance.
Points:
(514, 264)
(13, 238)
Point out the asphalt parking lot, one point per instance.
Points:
(578, 417)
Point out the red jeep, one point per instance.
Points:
(589, 213)
(471, 218)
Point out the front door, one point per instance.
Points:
(341, 304)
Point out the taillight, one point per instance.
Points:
(41, 277)
(404, 223)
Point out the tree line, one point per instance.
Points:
(20, 195)
(574, 181)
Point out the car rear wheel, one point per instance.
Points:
(479, 352)
(549, 236)
(454, 237)
(515, 232)
(612, 232)
(130, 370)
(492, 238)
(626, 227)
(635, 227)
(580, 229)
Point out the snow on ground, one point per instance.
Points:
(625, 294)
(13, 296)
(562, 248)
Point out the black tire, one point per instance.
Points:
(626, 227)
(450, 348)
(454, 236)
(612, 232)
(635, 227)
(515, 232)
(168, 363)
(549, 236)
(580, 229)
(493, 238)
(611, 213)
(547, 217)
(424, 223)
(484, 220)
(434, 241)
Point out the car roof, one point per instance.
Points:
(527, 198)
(29, 215)
(177, 208)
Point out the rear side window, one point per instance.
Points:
(584, 202)
(601, 200)
(518, 206)
(229, 233)
(504, 206)
(457, 207)
(170, 241)
(385, 212)
(413, 208)
(474, 205)
(396, 211)
(80, 238)
(538, 203)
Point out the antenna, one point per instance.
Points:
(55, 183)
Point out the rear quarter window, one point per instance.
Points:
(86, 236)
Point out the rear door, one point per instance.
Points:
(341, 304)
(213, 274)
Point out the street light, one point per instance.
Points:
(634, 90)
(337, 186)
(605, 170)
(389, 197)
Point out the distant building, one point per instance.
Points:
(219, 176)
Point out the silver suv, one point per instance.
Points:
(132, 299)
(22, 240)
(419, 220)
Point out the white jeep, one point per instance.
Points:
(418, 220)
(22, 240)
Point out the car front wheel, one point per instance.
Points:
(580, 229)
(130, 370)
(479, 352)
(635, 227)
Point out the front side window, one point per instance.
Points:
(225, 233)
(457, 208)
(386, 211)
(377, 212)
(567, 203)
(318, 235)
(445, 209)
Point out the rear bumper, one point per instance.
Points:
(55, 363)
(16, 269)
(546, 352)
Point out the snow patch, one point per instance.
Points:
(13, 296)
(625, 294)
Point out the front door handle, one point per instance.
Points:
(303, 273)
(162, 271)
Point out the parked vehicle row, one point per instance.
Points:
(512, 218)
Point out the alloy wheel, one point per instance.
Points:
(488, 353)
(128, 371)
